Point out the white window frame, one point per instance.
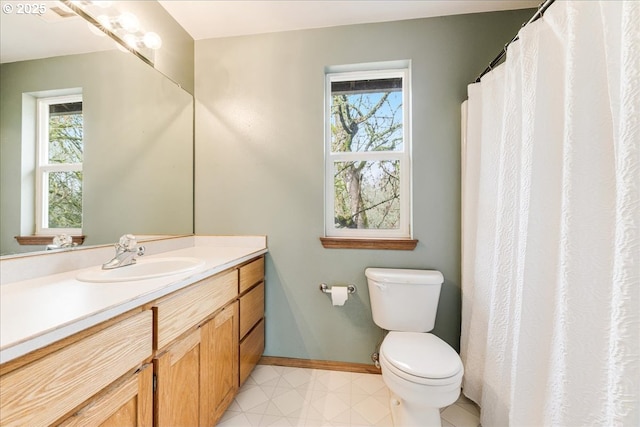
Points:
(43, 167)
(376, 71)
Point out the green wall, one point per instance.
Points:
(138, 146)
(259, 165)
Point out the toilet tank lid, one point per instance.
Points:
(401, 275)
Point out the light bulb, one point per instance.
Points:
(152, 40)
(129, 22)
(130, 40)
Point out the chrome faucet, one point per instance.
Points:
(126, 251)
(61, 241)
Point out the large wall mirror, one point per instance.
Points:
(137, 155)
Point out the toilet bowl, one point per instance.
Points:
(423, 374)
(422, 371)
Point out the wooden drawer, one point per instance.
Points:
(45, 390)
(251, 348)
(186, 308)
(251, 309)
(251, 273)
(127, 403)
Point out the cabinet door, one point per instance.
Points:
(128, 403)
(177, 399)
(197, 377)
(219, 364)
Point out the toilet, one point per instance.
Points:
(422, 371)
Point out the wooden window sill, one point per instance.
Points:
(355, 243)
(44, 240)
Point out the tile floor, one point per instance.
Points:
(282, 396)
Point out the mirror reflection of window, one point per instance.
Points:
(59, 168)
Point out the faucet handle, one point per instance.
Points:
(128, 242)
(62, 240)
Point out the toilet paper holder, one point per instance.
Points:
(351, 289)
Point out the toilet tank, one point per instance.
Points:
(404, 300)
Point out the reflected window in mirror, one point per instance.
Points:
(59, 157)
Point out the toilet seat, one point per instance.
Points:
(421, 358)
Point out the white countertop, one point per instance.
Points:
(40, 311)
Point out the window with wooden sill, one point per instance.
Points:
(44, 240)
(355, 243)
(367, 157)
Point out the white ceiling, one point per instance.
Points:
(213, 18)
(25, 37)
(31, 36)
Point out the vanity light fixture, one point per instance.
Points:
(149, 40)
(152, 40)
(128, 22)
(123, 26)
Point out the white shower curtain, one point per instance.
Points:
(551, 219)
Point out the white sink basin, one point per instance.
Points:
(143, 269)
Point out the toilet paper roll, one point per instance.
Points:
(339, 295)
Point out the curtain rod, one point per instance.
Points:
(541, 9)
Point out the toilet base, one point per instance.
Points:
(426, 417)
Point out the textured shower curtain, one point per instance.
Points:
(551, 218)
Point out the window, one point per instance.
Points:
(59, 165)
(367, 154)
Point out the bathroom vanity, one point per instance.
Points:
(163, 351)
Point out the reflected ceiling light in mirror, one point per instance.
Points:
(150, 40)
(127, 21)
(123, 26)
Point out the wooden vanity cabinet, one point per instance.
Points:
(251, 316)
(128, 403)
(196, 377)
(177, 397)
(177, 361)
(197, 373)
(176, 313)
(51, 388)
(219, 379)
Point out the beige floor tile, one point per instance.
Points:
(277, 396)
(459, 417)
